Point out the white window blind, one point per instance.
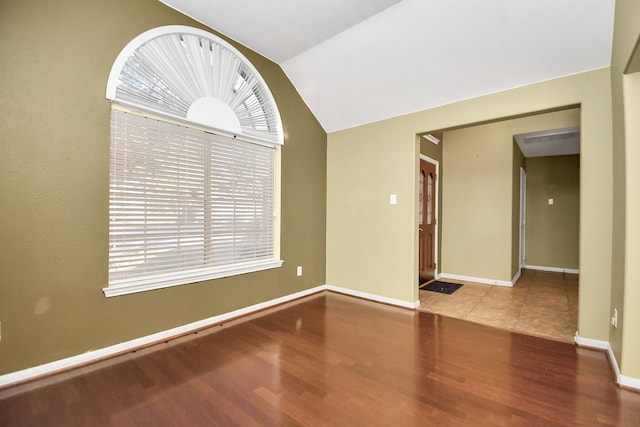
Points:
(185, 205)
(186, 73)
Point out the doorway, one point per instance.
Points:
(428, 219)
(541, 227)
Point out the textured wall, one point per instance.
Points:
(553, 230)
(54, 177)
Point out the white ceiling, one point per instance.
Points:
(360, 61)
(280, 29)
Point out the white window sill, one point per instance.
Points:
(160, 281)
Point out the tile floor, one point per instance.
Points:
(541, 303)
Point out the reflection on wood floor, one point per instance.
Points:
(541, 303)
(331, 360)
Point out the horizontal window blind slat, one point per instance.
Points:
(183, 199)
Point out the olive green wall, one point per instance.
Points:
(54, 177)
(625, 292)
(481, 195)
(553, 230)
(517, 164)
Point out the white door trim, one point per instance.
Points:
(523, 217)
(435, 214)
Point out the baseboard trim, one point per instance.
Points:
(591, 343)
(621, 380)
(374, 297)
(91, 356)
(480, 279)
(629, 382)
(516, 277)
(553, 269)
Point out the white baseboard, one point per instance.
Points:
(516, 277)
(589, 342)
(479, 279)
(554, 269)
(114, 350)
(374, 297)
(629, 382)
(622, 380)
(100, 354)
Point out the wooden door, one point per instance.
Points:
(427, 222)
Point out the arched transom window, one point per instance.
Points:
(195, 133)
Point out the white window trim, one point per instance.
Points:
(164, 280)
(158, 115)
(160, 281)
(138, 41)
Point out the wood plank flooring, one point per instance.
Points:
(334, 360)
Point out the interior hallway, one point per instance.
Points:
(541, 303)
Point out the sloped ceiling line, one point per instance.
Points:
(356, 62)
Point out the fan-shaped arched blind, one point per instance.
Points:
(192, 75)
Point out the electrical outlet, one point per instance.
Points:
(614, 319)
(299, 271)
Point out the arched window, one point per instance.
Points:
(195, 133)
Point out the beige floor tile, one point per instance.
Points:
(541, 303)
(548, 323)
(459, 306)
(549, 302)
(502, 323)
(459, 312)
(501, 297)
(476, 289)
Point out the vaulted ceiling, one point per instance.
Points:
(360, 61)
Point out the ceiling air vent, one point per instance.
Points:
(556, 142)
(554, 137)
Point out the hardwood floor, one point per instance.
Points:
(330, 359)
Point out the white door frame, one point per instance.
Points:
(435, 214)
(523, 217)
